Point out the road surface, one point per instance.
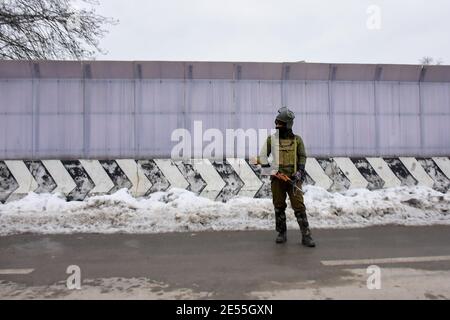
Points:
(414, 263)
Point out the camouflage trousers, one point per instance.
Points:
(280, 191)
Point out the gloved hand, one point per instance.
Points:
(300, 175)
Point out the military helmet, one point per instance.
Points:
(287, 116)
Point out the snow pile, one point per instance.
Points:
(181, 210)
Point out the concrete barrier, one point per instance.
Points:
(217, 180)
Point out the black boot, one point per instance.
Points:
(302, 220)
(280, 225)
(281, 238)
(308, 241)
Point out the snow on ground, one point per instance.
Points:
(181, 210)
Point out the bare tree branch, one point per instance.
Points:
(50, 29)
(426, 61)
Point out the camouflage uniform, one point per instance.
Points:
(289, 155)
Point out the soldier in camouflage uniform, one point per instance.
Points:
(288, 152)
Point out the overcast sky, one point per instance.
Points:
(348, 31)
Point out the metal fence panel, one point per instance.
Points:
(258, 97)
(395, 98)
(106, 113)
(17, 134)
(436, 98)
(59, 135)
(16, 96)
(399, 135)
(436, 131)
(353, 97)
(60, 96)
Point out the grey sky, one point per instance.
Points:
(277, 30)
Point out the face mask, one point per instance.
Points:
(283, 132)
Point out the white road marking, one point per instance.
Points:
(384, 260)
(22, 175)
(64, 182)
(214, 183)
(417, 171)
(443, 164)
(315, 171)
(103, 183)
(15, 271)
(172, 173)
(382, 169)
(251, 181)
(136, 175)
(351, 172)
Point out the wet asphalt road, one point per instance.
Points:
(233, 265)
